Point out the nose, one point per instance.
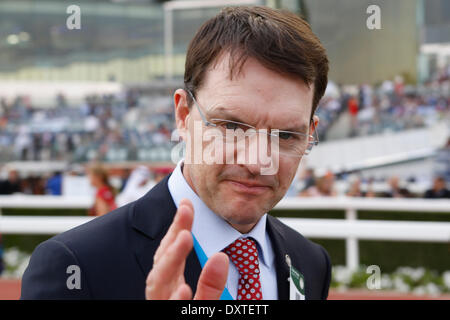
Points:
(256, 155)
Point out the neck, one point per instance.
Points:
(243, 228)
(187, 177)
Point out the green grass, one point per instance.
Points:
(43, 212)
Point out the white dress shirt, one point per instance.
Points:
(214, 234)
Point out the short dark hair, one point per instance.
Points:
(278, 39)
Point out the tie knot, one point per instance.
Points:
(244, 255)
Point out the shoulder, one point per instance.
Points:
(87, 248)
(46, 276)
(102, 231)
(105, 248)
(91, 239)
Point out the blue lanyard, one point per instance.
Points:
(203, 258)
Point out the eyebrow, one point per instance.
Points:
(222, 112)
(303, 128)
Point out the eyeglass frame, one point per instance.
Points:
(310, 145)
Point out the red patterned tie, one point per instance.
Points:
(244, 254)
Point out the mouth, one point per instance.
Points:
(248, 187)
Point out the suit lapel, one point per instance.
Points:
(151, 217)
(282, 246)
(280, 249)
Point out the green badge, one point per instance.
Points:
(296, 282)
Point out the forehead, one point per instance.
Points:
(256, 94)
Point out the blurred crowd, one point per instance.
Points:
(133, 125)
(118, 189)
(31, 185)
(131, 184)
(389, 106)
(330, 185)
(102, 128)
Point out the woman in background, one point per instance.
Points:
(105, 195)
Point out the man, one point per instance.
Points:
(248, 67)
(10, 185)
(439, 189)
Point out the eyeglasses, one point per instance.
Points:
(292, 144)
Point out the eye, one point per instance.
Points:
(285, 135)
(231, 125)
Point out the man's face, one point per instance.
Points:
(439, 184)
(13, 176)
(239, 193)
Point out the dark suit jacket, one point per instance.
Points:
(115, 254)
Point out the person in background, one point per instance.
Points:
(439, 190)
(309, 178)
(105, 196)
(12, 184)
(138, 184)
(324, 187)
(395, 190)
(355, 188)
(53, 185)
(370, 193)
(125, 176)
(302, 181)
(353, 109)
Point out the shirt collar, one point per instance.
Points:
(212, 232)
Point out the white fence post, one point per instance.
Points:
(351, 243)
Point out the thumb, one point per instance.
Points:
(213, 278)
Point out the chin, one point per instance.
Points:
(242, 212)
(239, 208)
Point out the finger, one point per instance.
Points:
(164, 277)
(213, 278)
(182, 221)
(167, 274)
(183, 292)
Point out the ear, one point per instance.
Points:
(182, 112)
(313, 125)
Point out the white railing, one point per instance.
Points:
(351, 229)
(45, 202)
(367, 204)
(39, 224)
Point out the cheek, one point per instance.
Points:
(207, 176)
(287, 171)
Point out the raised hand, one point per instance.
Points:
(166, 279)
